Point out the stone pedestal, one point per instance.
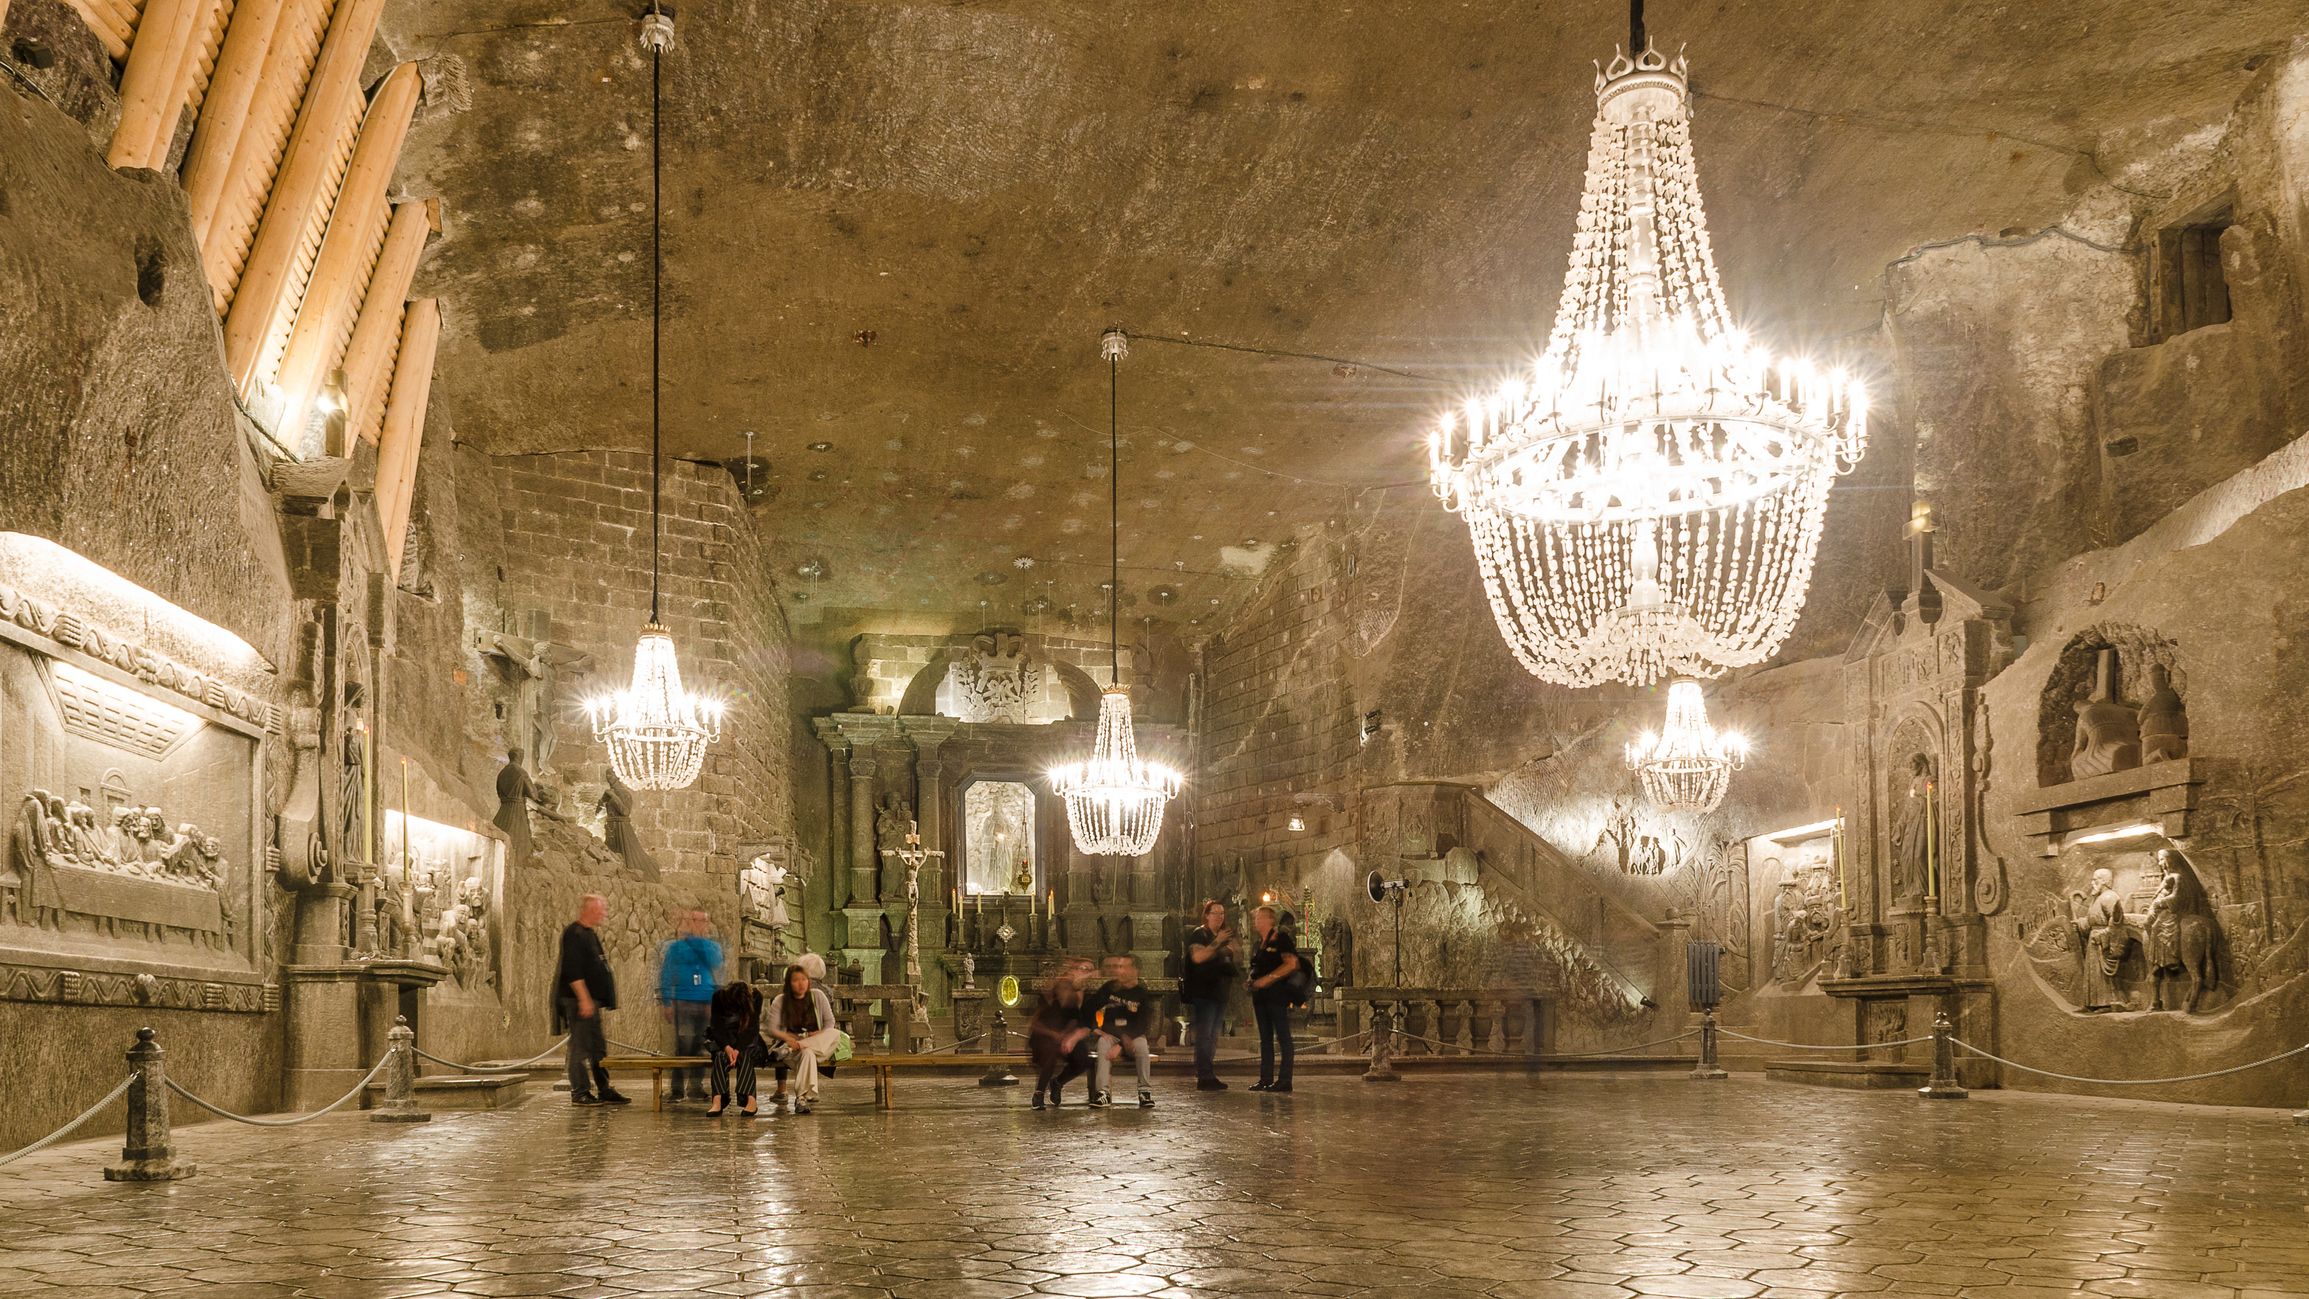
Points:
(861, 943)
(147, 1154)
(339, 1016)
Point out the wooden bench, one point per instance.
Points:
(885, 1068)
(657, 1066)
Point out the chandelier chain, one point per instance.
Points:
(656, 291)
(1113, 517)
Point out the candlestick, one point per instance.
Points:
(1836, 856)
(1931, 843)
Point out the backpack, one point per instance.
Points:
(1299, 984)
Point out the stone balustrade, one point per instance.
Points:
(1444, 1021)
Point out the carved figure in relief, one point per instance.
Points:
(891, 818)
(2180, 935)
(616, 808)
(993, 682)
(2106, 933)
(1911, 863)
(2164, 722)
(515, 791)
(2108, 732)
(53, 832)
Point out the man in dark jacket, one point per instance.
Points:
(583, 991)
(1125, 1009)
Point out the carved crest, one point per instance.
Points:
(993, 682)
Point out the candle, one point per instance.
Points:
(1050, 904)
(1836, 856)
(1931, 843)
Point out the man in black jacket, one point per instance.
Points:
(584, 990)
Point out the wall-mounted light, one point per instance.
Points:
(2133, 831)
(1798, 834)
(1297, 824)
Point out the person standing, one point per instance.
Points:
(583, 991)
(1212, 960)
(688, 972)
(1274, 959)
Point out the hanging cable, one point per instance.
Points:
(1636, 40)
(1113, 516)
(656, 277)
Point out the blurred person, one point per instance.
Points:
(1274, 963)
(802, 1031)
(584, 990)
(689, 973)
(1057, 1037)
(1212, 962)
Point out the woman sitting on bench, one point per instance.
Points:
(734, 1043)
(800, 1023)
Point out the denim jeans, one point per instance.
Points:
(586, 1047)
(1207, 1015)
(689, 1034)
(1274, 1034)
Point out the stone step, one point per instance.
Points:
(1860, 1075)
(500, 1091)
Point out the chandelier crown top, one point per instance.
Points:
(1649, 60)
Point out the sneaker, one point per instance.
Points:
(616, 1098)
(1261, 1086)
(1283, 1086)
(1038, 1100)
(1099, 1100)
(586, 1100)
(801, 1107)
(1145, 1099)
(1209, 1085)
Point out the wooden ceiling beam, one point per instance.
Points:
(404, 433)
(370, 351)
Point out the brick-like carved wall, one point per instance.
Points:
(575, 544)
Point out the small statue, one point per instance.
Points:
(1911, 831)
(892, 820)
(2108, 730)
(2180, 934)
(969, 972)
(616, 808)
(2164, 722)
(515, 792)
(2107, 934)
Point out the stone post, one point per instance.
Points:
(146, 1154)
(1382, 1066)
(998, 1043)
(400, 1103)
(838, 809)
(1708, 1070)
(1943, 1085)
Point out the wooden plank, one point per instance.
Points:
(148, 84)
(264, 137)
(369, 351)
(110, 32)
(331, 99)
(404, 434)
(332, 293)
(224, 111)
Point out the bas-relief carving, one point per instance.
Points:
(994, 682)
(1638, 845)
(2156, 946)
(1807, 924)
(998, 837)
(158, 991)
(2108, 734)
(75, 632)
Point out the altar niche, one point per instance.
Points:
(134, 849)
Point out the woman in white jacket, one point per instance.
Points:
(800, 1026)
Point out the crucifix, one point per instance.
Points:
(912, 856)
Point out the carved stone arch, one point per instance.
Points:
(1081, 692)
(921, 697)
(2071, 678)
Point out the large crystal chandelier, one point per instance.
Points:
(1114, 798)
(1687, 764)
(1647, 501)
(655, 729)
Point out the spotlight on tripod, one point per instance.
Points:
(1381, 889)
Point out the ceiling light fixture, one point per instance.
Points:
(1647, 502)
(656, 731)
(1687, 765)
(1114, 798)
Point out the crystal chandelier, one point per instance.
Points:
(655, 729)
(1647, 501)
(1688, 764)
(1114, 798)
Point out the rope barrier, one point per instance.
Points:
(339, 1103)
(2128, 1082)
(495, 1068)
(74, 1126)
(952, 1046)
(1816, 1046)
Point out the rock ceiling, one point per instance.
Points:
(895, 229)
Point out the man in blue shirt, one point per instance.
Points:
(687, 976)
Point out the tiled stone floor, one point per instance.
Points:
(1506, 1186)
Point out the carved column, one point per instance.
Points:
(837, 812)
(864, 869)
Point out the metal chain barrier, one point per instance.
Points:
(1816, 1046)
(558, 1043)
(337, 1104)
(2129, 1082)
(72, 1127)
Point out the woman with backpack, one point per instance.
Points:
(1276, 973)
